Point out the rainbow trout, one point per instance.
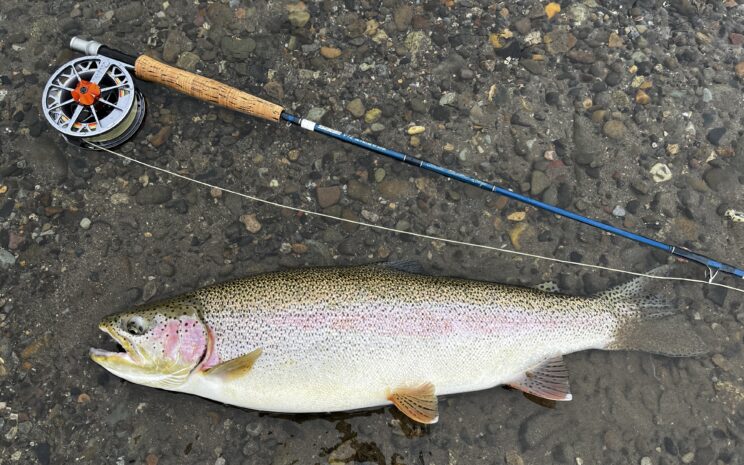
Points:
(330, 339)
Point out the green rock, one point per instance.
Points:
(299, 18)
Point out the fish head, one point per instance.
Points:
(162, 343)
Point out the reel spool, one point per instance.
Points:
(94, 99)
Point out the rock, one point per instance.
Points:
(7, 259)
(707, 95)
(552, 9)
(615, 41)
(343, 453)
(413, 130)
(515, 234)
(402, 17)
(721, 362)
(298, 17)
(535, 67)
(539, 182)
(717, 295)
(356, 108)
(660, 172)
(160, 137)
(237, 49)
(372, 115)
(720, 180)
(559, 41)
(129, 12)
(85, 223)
(513, 458)
(646, 461)
(666, 203)
(251, 223)
(614, 129)
(739, 70)
(316, 114)
(328, 196)
(586, 142)
(330, 52)
(517, 216)
(154, 195)
(642, 97)
(619, 211)
(715, 135)
(151, 459)
(688, 457)
(174, 44)
(359, 191)
(396, 189)
(188, 61)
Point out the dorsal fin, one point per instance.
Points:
(548, 380)
(417, 403)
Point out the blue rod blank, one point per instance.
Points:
(713, 265)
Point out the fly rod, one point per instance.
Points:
(94, 99)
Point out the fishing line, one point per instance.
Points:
(410, 233)
(101, 84)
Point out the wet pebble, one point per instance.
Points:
(538, 182)
(372, 115)
(739, 70)
(85, 223)
(513, 458)
(298, 17)
(586, 141)
(343, 453)
(715, 135)
(328, 196)
(237, 49)
(720, 179)
(154, 195)
(356, 108)
(646, 461)
(619, 211)
(614, 129)
(7, 259)
(660, 173)
(251, 223)
(330, 52)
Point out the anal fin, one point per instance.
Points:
(417, 403)
(236, 367)
(548, 380)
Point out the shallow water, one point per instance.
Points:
(152, 236)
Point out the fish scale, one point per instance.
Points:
(329, 339)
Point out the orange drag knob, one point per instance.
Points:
(86, 93)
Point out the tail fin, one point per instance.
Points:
(648, 322)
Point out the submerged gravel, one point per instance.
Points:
(630, 112)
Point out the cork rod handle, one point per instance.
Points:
(209, 90)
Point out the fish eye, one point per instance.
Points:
(136, 326)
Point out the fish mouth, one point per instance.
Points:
(126, 354)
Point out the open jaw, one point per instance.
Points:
(125, 354)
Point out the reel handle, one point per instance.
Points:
(209, 90)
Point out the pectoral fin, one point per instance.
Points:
(548, 380)
(236, 367)
(417, 403)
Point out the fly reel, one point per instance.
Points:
(93, 99)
